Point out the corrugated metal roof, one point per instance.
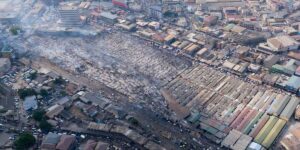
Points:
(108, 15)
(231, 138)
(274, 133)
(242, 142)
(293, 82)
(250, 125)
(289, 109)
(266, 129)
(278, 105)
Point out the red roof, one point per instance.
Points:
(120, 3)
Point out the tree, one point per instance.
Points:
(14, 30)
(33, 76)
(133, 121)
(45, 125)
(170, 14)
(63, 93)
(26, 92)
(38, 115)
(59, 81)
(25, 141)
(44, 93)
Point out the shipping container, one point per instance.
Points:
(274, 133)
(289, 109)
(264, 119)
(251, 124)
(265, 130)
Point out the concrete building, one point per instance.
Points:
(219, 4)
(108, 17)
(6, 51)
(156, 12)
(282, 43)
(69, 16)
(10, 11)
(271, 60)
(5, 65)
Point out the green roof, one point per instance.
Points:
(273, 133)
(265, 130)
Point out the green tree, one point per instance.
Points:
(63, 93)
(25, 141)
(133, 121)
(33, 76)
(59, 80)
(14, 30)
(26, 92)
(45, 125)
(44, 93)
(38, 115)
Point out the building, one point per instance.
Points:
(54, 110)
(291, 140)
(95, 99)
(210, 20)
(271, 60)
(293, 84)
(173, 6)
(108, 17)
(297, 72)
(282, 43)
(120, 3)
(93, 145)
(50, 141)
(156, 12)
(220, 4)
(289, 68)
(67, 142)
(6, 51)
(5, 65)
(10, 11)
(69, 16)
(297, 113)
(30, 103)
